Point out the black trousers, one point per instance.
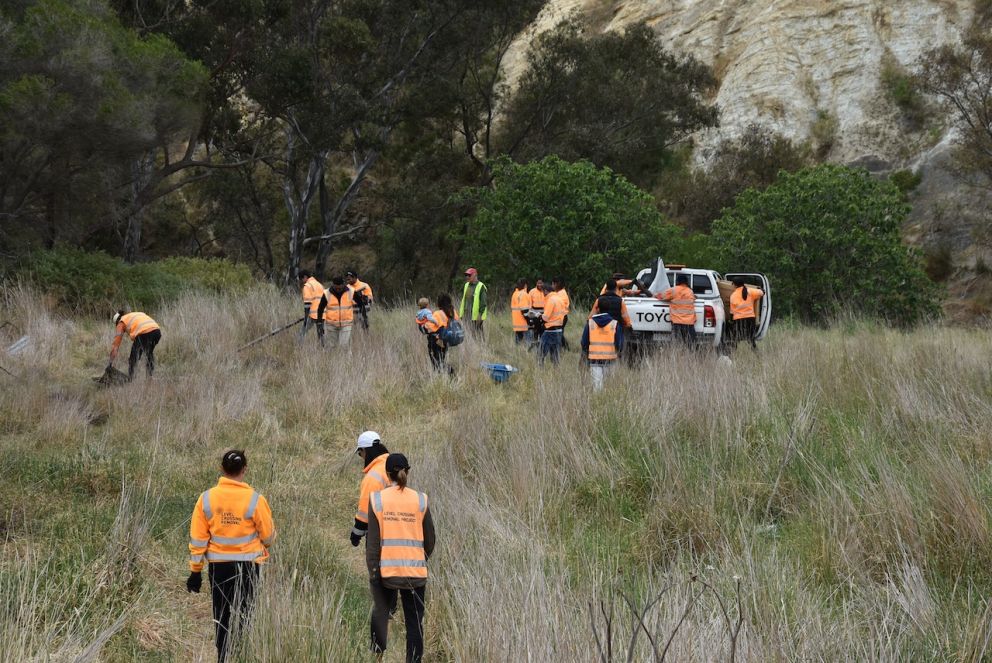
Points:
(232, 587)
(745, 330)
(144, 344)
(685, 334)
(436, 352)
(383, 599)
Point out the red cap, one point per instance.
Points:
(470, 271)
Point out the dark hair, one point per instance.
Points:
(444, 303)
(682, 279)
(233, 462)
(617, 275)
(351, 272)
(739, 283)
(400, 477)
(538, 279)
(611, 285)
(558, 281)
(305, 274)
(521, 283)
(337, 280)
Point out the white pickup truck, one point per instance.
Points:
(651, 318)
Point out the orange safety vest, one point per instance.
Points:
(602, 341)
(312, 290)
(363, 288)
(554, 311)
(136, 324)
(519, 302)
(373, 481)
(440, 320)
(339, 312)
(400, 514)
(231, 522)
(744, 308)
(683, 304)
(536, 298)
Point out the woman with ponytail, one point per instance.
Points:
(400, 541)
(743, 302)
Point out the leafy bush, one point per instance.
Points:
(829, 238)
(552, 218)
(96, 281)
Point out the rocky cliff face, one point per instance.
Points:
(803, 67)
(813, 70)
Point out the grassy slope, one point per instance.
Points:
(841, 477)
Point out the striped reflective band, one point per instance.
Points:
(423, 501)
(378, 477)
(206, 505)
(363, 514)
(606, 343)
(251, 506)
(377, 501)
(409, 543)
(196, 558)
(402, 562)
(268, 541)
(196, 543)
(234, 540)
(683, 302)
(358, 532)
(233, 557)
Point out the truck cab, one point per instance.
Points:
(651, 318)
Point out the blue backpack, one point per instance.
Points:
(453, 334)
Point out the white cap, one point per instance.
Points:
(117, 318)
(367, 439)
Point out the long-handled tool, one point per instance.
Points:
(271, 333)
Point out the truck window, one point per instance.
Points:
(701, 284)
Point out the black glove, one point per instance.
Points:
(194, 582)
(355, 539)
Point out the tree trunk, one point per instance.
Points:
(141, 176)
(332, 217)
(298, 202)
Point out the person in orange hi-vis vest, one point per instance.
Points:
(373, 454)
(555, 312)
(400, 541)
(602, 341)
(312, 290)
(231, 530)
(519, 305)
(336, 309)
(683, 310)
(537, 298)
(361, 293)
(743, 303)
(144, 334)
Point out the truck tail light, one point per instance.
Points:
(709, 317)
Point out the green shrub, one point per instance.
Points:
(906, 180)
(86, 281)
(556, 218)
(207, 273)
(829, 238)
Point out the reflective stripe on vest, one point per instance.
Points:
(312, 291)
(601, 341)
(136, 324)
(519, 303)
(234, 557)
(206, 505)
(343, 313)
(476, 301)
(744, 308)
(378, 477)
(234, 540)
(683, 307)
(196, 543)
(250, 513)
(400, 515)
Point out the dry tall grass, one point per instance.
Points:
(830, 492)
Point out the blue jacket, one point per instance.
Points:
(602, 319)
